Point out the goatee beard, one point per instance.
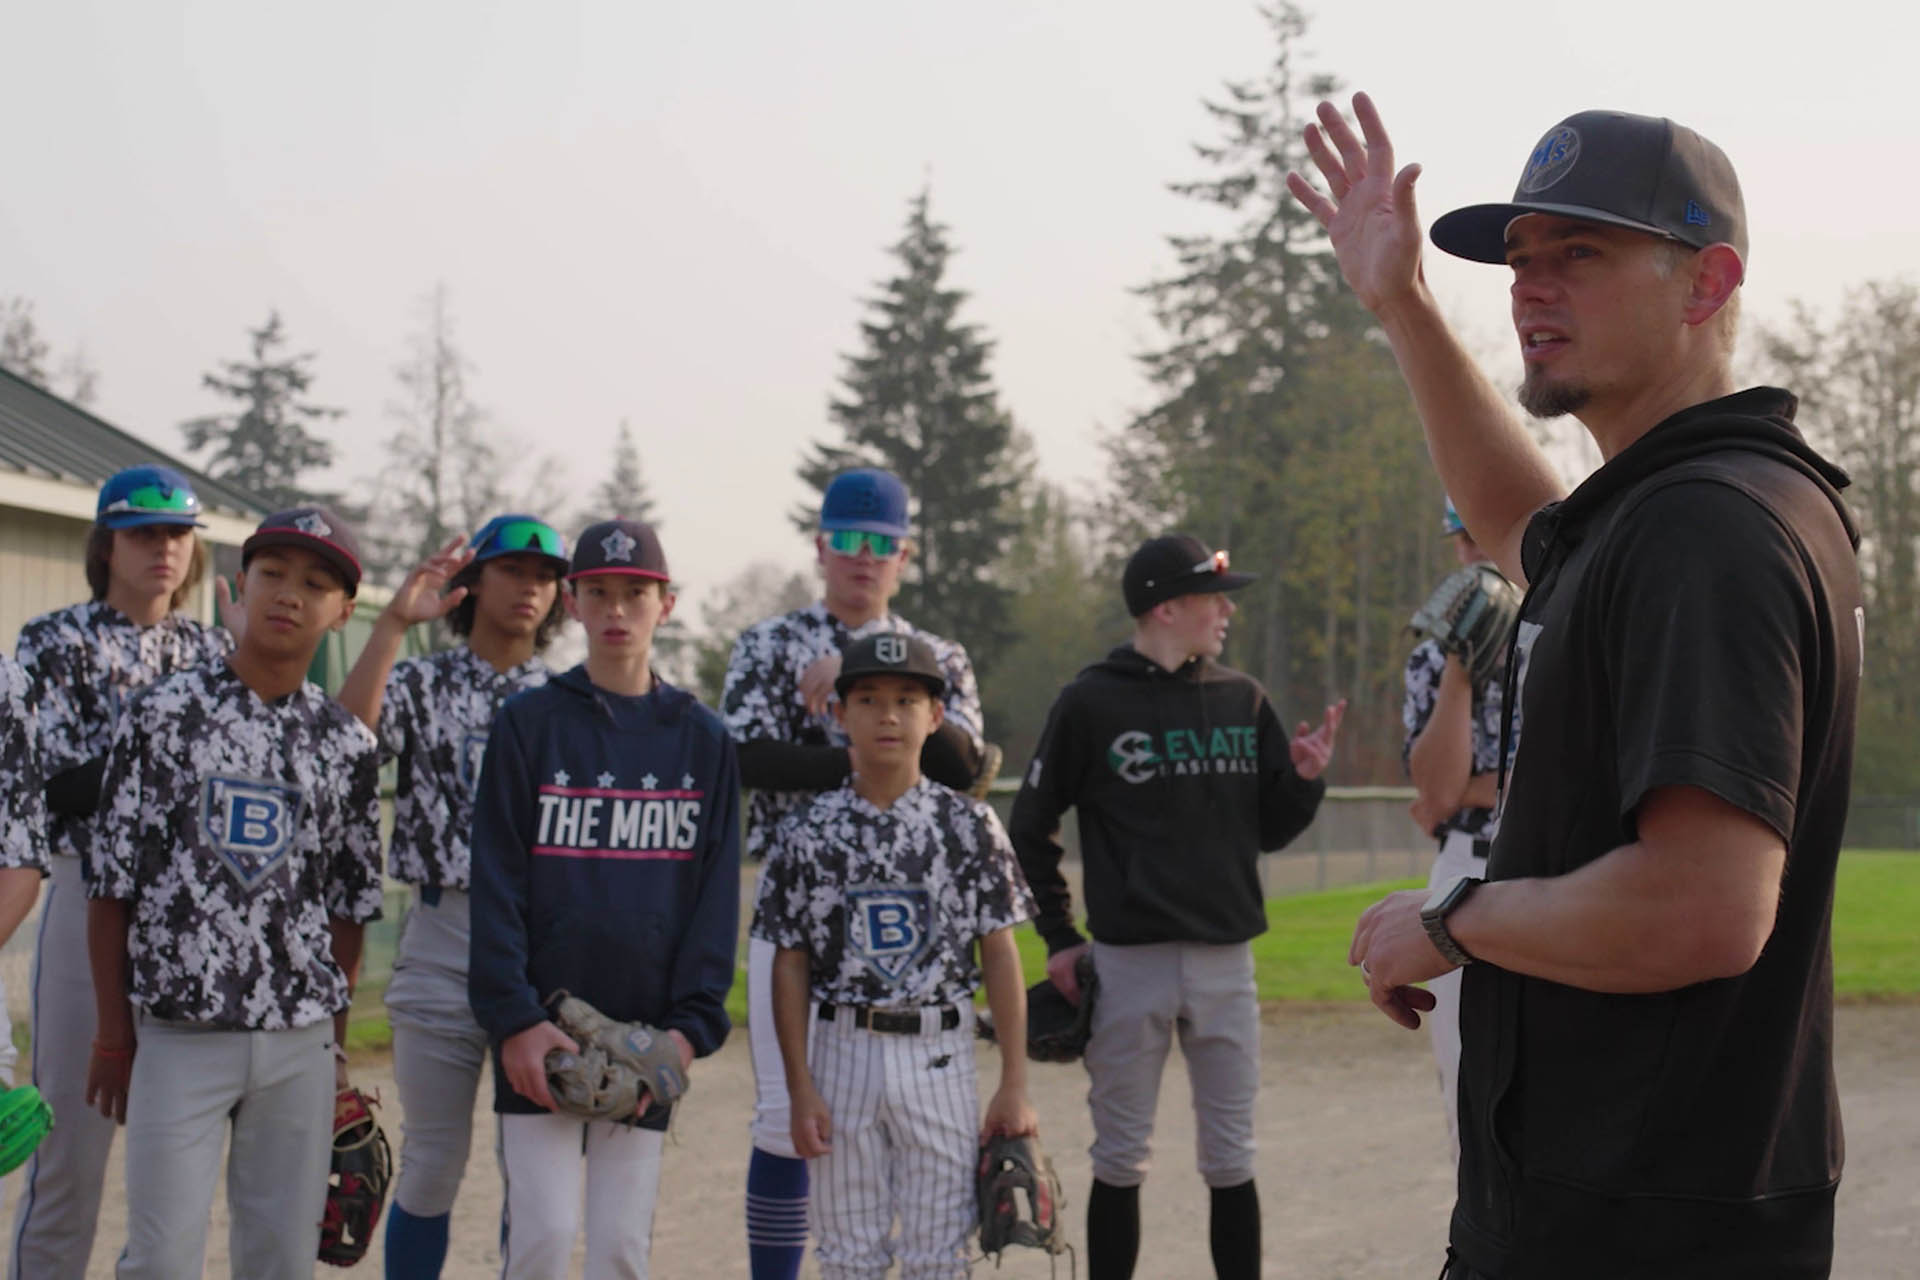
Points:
(1544, 399)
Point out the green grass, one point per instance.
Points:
(1302, 958)
(1876, 926)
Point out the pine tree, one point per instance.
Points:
(270, 442)
(624, 492)
(918, 400)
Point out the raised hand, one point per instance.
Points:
(423, 596)
(1311, 748)
(227, 608)
(1370, 217)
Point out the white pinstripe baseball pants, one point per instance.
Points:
(906, 1116)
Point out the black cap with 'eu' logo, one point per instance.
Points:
(1642, 172)
(889, 654)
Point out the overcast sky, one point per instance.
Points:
(671, 213)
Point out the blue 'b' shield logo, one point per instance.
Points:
(250, 823)
(891, 926)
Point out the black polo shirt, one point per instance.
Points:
(1694, 619)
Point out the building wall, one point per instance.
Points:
(42, 567)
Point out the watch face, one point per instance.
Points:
(1444, 896)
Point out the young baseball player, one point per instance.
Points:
(1452, 753)
(777, 706)
(606, 864)
(228, 890)
(875, 897)
(23, 825)
(432, 714)
(143, 563)
(1181, 774)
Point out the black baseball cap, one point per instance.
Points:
(1175, 564)
(890, 654)
(619, 546)
(1642, 172)
(314, 529)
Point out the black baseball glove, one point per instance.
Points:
(1057, 1028)
(1471, 615)
(1020, 1197)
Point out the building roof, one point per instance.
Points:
(44, 436)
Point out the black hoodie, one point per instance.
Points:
(1693, 619)
(1180, 779)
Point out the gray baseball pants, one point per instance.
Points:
(60, 1192)
(438, 1051)
(1148, 994)
(272, 1093)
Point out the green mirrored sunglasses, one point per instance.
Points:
(153, 497)
(847, 542)
(526, 535)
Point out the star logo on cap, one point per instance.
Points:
(618, 545)
(313, 526)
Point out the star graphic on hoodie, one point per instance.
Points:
(606, 781)
(560, 778)
(649, 782)
(686, 782)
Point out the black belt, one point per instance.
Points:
(868, 1018)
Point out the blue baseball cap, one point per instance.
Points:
(147, 495)
(520, 535)
(1450, 522)
(867, 499)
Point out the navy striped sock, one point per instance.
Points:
(776, 1215)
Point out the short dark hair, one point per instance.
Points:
(460, 621)
(99, 557)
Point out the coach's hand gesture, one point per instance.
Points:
(1370, 217)
(1311, 748)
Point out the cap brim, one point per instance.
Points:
(1478, 232)
(618, 571)
(935, 686)
(343, 564)
(864, 526)
(563, 563)
(136, 519)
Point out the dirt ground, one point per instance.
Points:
(1354, 1177)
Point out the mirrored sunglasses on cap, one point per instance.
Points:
(847, 542)
(154, 499)
(531, 536)
(1217, 563)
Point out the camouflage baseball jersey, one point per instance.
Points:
(435, 720)
(888, 902)
(761, 700)
(1424, 666)
(23, 797)
(85, 661)
(235, 828)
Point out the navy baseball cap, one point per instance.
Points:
(1176, 564)
(147, 495)
(314, 529)
(890, 654)
(520, 535)
(1645, 173)
(619, 546)
(868, 499)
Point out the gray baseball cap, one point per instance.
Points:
(1642, 172)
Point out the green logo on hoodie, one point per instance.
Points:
(1136, 757)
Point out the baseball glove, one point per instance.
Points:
(25, 1118)
(617, 1062)
(1020, 1197)
(358, 1181)
(1057, 1029)
(1471, 614)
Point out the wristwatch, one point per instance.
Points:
(1433, 918)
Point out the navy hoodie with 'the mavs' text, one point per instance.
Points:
(606, 863)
